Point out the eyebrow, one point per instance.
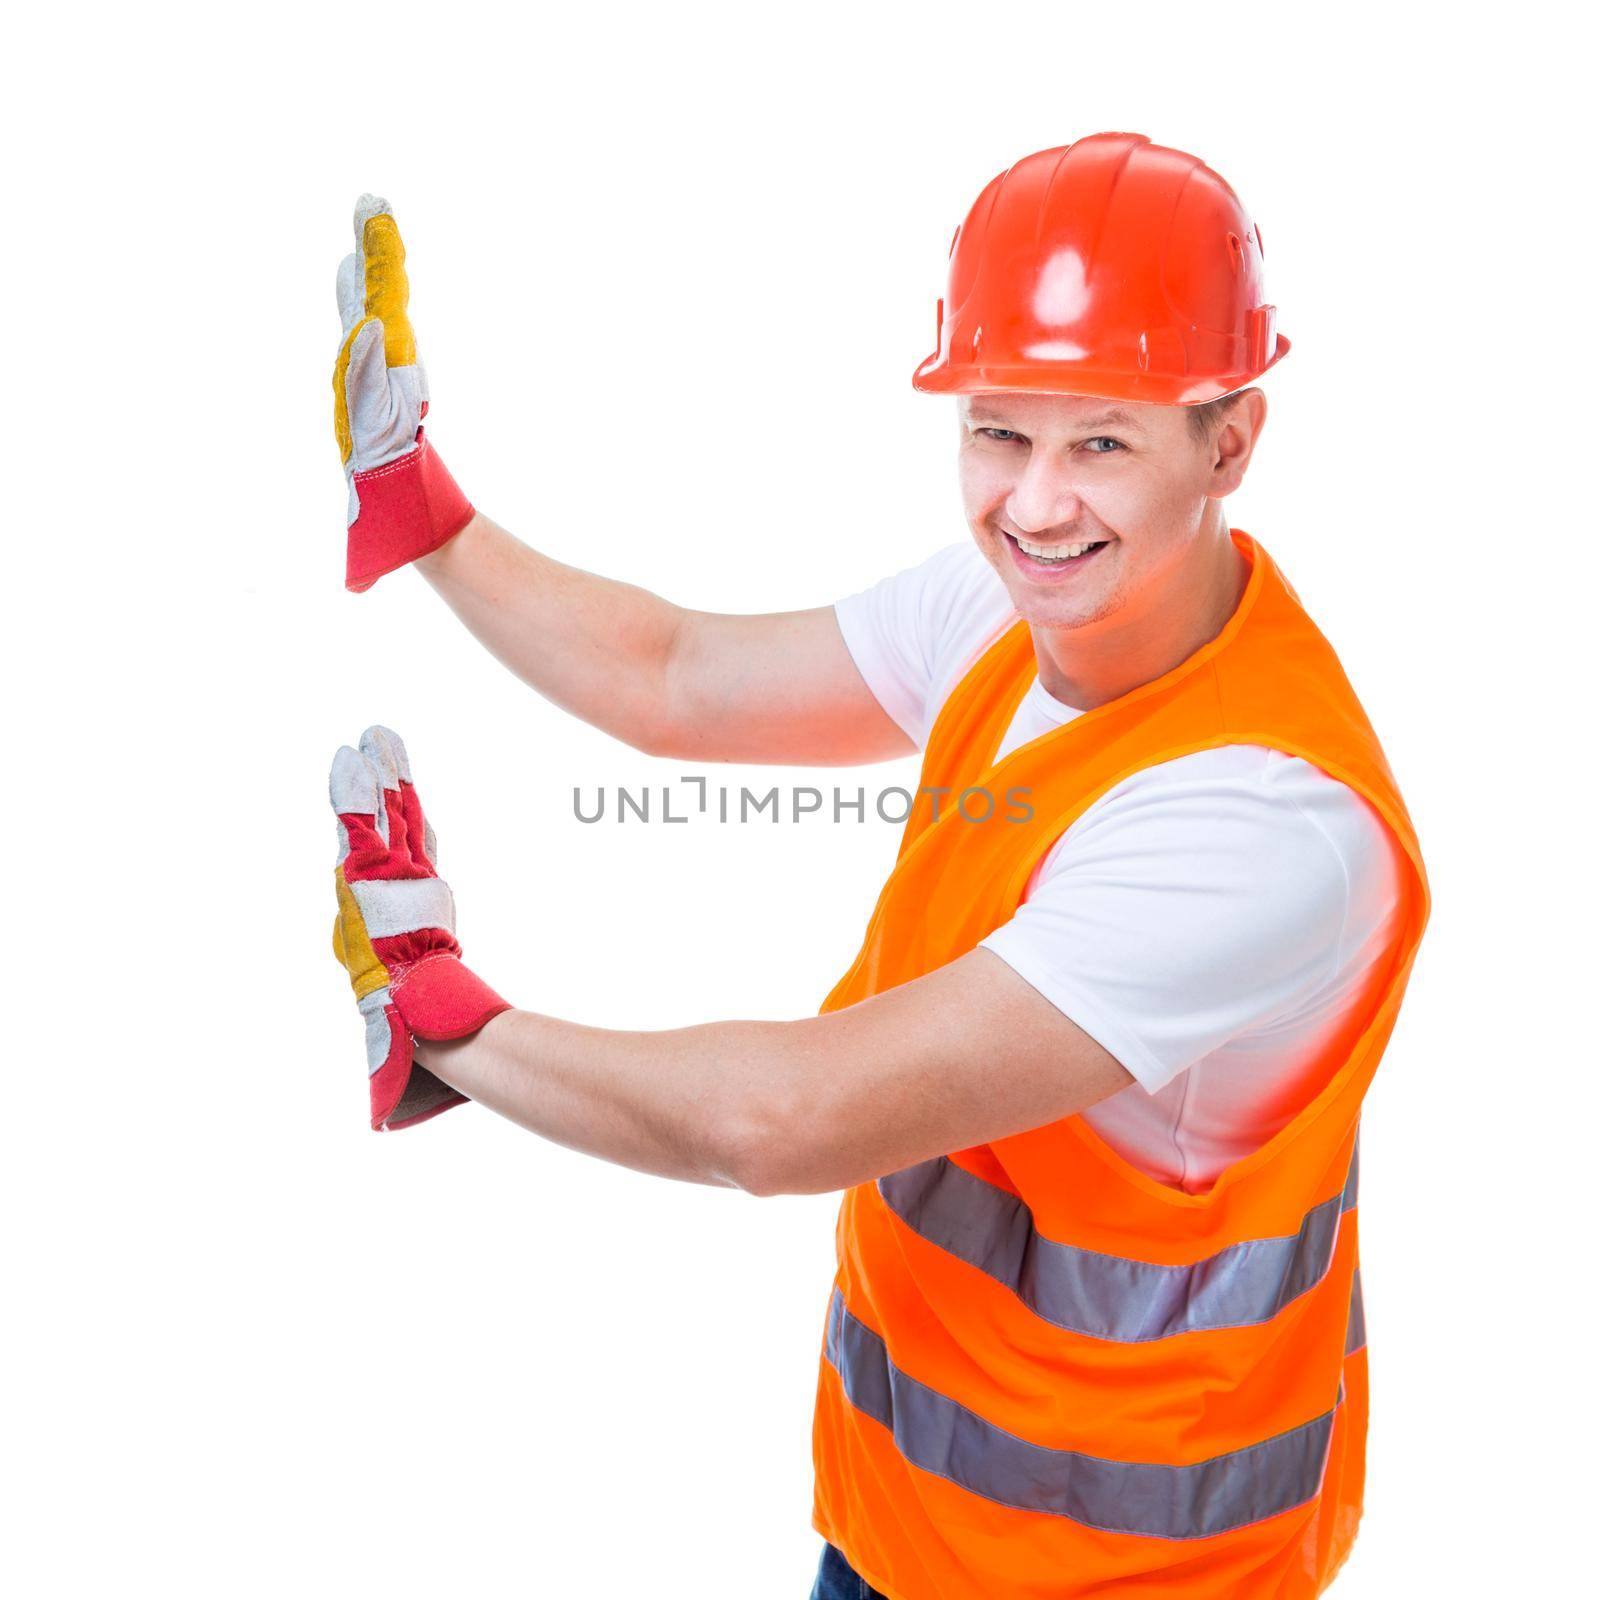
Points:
(1116, 416)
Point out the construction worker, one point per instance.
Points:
(1092, 1083)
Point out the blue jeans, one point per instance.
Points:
(838, 1580)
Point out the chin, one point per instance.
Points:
(1046, 613)
(1054, 610)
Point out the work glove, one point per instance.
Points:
(402, 502)
(395, 931)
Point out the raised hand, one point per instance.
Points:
(402, 502)
(395, 931)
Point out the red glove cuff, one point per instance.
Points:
(404, 1093)
(407, 508)
(439, 998)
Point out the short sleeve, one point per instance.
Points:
(913, 632)
(1191, 904)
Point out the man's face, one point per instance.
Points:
(1042, 474)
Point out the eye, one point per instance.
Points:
(1115, 444)
(1000, 435)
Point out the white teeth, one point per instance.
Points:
(1058, 552)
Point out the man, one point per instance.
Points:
(1092, 1083)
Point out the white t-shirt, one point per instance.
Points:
(1210, 921)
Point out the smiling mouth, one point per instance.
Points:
(1059, 554)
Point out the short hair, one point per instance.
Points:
(1204, 420)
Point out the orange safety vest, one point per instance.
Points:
(1045, 1373)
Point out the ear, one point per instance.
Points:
(1235, 442)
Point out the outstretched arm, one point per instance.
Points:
(697, 685)
(966, 1054)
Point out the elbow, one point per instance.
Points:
(766, 1148)
(656, 735)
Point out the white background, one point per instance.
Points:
(671, 270)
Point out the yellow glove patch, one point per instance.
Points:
(384, 293)
(351, 943)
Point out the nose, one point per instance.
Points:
(1042, 498)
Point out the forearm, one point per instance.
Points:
(667, 679)
(595, 646)
(686, 1103)
(963, 1055)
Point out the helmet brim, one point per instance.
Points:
(1100, 383)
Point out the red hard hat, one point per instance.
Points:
(1110, 267)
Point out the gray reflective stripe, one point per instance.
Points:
(937, 1434)
(1356, 1332)
(1353, 1181)
(1105, 1296)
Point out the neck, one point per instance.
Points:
(1165, 624)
